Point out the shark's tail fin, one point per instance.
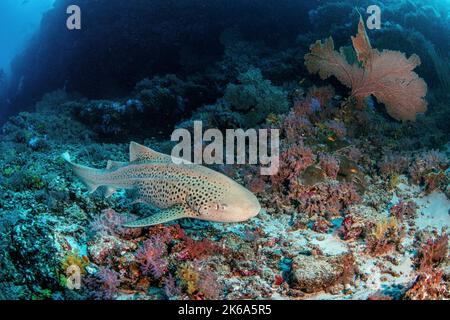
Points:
(89, 176)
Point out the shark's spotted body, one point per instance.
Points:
(179, 190)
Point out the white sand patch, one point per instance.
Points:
(330, 244)
(434, 211)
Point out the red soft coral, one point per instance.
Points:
(387, 74)
(324, 198)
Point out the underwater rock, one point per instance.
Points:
(154, 107)
(316, 273)
(107, 247)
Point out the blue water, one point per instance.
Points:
(19, 19)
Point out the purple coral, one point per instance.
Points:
(297, 127)
(110, 281)
(150, 257)
(104, 284)
(109, 222)
(171, 288)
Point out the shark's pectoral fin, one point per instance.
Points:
(164, 215)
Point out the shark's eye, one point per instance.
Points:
(223, 206)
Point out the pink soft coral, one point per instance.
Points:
(150, 257)
(387, 74)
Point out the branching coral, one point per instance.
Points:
(171, 289)
(74, 259)
(293, 162)
(109, 222)
(392, 165)
(297, 127)
(428, 286)
(385, 74)
(426, 165)
(350, 230)
(194, 250)
(330, 164)
(324, 199)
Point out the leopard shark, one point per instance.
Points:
(178, 190)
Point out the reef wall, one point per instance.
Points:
(122, 42)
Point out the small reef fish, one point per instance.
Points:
(184, 190)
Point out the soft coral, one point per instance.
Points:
(150, 257)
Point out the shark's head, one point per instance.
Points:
(235, 205)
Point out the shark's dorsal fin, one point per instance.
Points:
(113, 165)
(139, 153)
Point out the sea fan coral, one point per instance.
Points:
(387, 74)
